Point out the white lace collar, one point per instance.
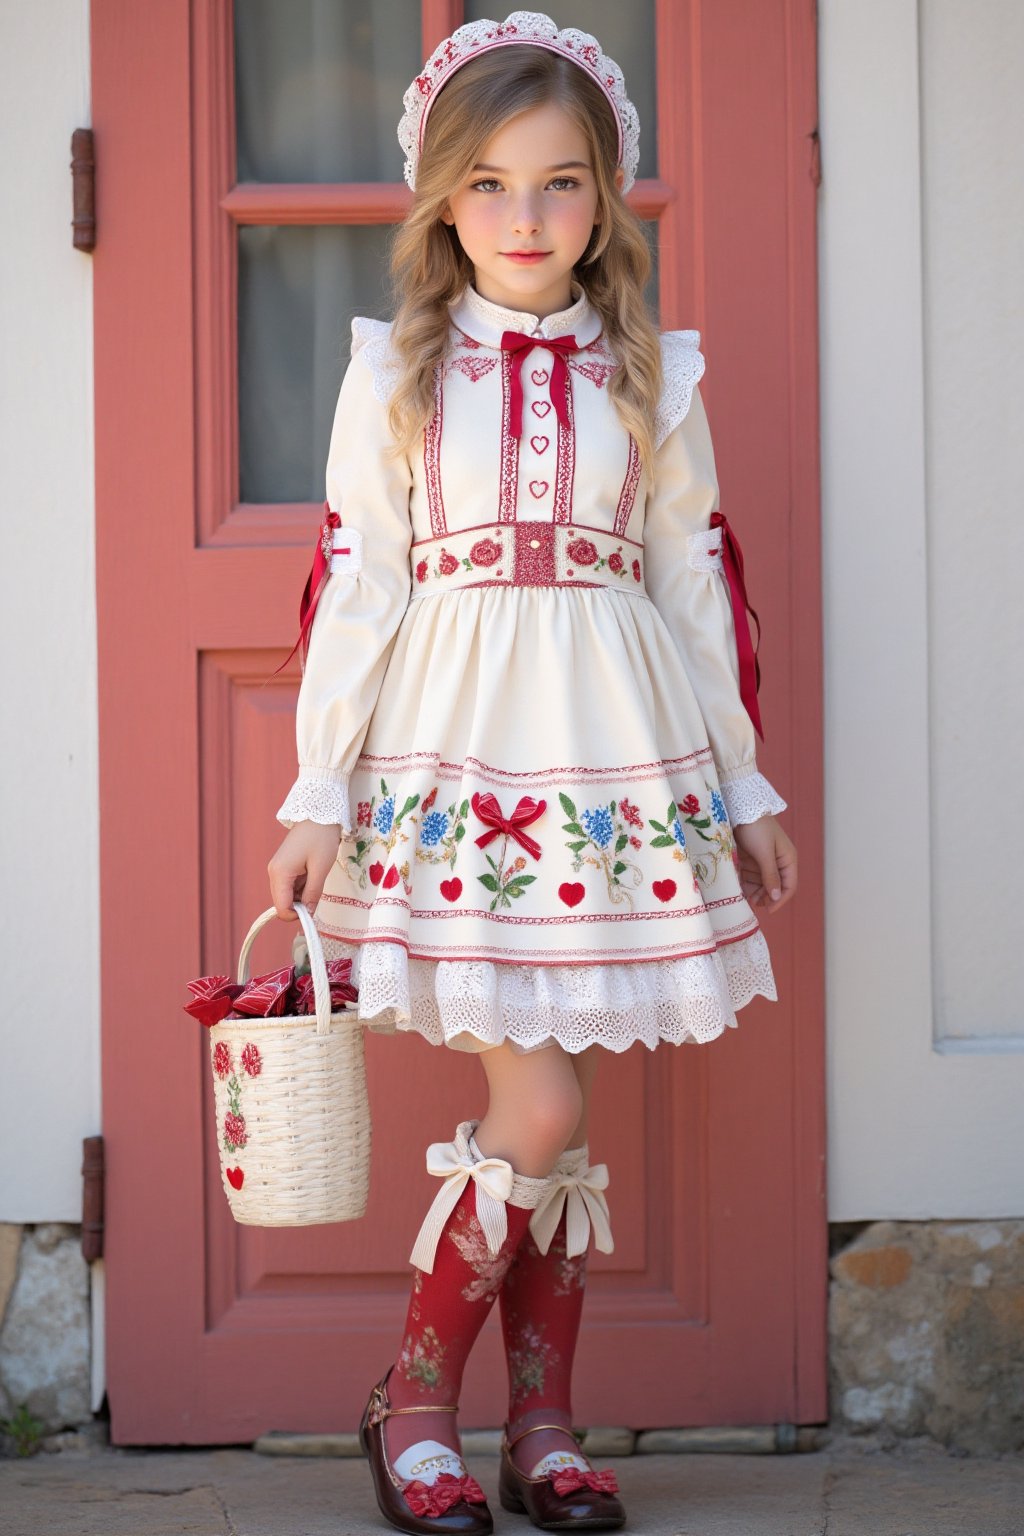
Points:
(485, 321)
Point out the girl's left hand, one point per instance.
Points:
(767, 863)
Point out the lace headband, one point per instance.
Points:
(476, 37)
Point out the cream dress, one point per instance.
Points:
(521, 703)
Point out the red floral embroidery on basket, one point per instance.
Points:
(222, 1058)
(252, 1061)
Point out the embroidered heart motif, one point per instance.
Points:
(538, 444)
(451, 890)
(541, 407)
(375, 872)
(236, 1177)
(571, 892)
(664, 889)
(539, 375)
(391, 878)
(538, 487)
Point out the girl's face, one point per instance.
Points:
(532, 188)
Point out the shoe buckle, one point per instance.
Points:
(378, 1407)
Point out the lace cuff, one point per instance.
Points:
(320, 795)
(748, 798)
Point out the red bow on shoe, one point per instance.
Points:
(518, 343)
(527, 811)
(572, 1479)
(434, 1499)
(746, 651)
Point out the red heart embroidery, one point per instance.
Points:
(392, 877)
(236, 1177)
(541, 407)
(664, 889)
(451, 890)
(572, 893)
(538, 487)
(376, 871)
(538, 444)
(539, 375)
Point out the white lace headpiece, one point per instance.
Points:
(477, 37)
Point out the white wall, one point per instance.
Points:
(49, 834)
(921, 341)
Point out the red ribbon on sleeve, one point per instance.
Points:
(750, 669)
(315, 583)
(490, 812)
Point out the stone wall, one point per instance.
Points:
(44, 1324)
(926, 1333)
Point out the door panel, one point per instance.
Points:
(711, 1309)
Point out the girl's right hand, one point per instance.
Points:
(300, 867)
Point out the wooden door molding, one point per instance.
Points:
(718, 1285)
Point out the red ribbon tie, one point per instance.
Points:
(746, 651)
(527, 811)
(518, 343)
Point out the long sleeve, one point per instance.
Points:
(361, 606)
(687, 584)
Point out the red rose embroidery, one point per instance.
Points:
(582, 552)
(429, 801)
(615, 562)
(634, 841)
(485, 552)
(252, 1061)
(421, 571)
(690, 806)
(636, 570)
(363, 814)
(222, 1058)
(234, 1129)
(630, 813)
(447, 563)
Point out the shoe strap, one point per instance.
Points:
(562, 1427)
(388, 1412)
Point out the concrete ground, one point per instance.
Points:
(849, 1488)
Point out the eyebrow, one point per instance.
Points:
(566, 165)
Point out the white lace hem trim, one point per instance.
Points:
(748, 798)
(320, 795)
(473, 1005)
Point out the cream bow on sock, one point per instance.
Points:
(454, 1162)
(580, 1189)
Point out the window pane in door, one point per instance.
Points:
(319, 85)
(298, 288)
(626, 33)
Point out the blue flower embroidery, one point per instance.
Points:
(599, 826)
(384, 815)
(435, 825)
(678, 833)
(718, 806)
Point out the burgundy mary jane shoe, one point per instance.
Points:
(451, 1504)
(566, 1499)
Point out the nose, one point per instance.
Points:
(527, 215)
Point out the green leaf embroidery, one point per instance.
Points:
(488, 882)
(567, 805)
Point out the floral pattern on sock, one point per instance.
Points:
(421, 1359)
(528, 1361)
(488, 1268)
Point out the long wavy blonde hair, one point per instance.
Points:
(429, 269)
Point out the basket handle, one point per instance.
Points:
(317, 964)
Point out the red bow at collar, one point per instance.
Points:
(746, 651)
(488, 810)
(518, 343)
(572, 1479)
(315, 583)
(435, 1499)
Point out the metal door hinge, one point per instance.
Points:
(93, 1171)
(83, 190)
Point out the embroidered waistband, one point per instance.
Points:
(527, 554)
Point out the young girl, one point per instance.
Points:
(528, 806)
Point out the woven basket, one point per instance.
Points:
(293, 1116)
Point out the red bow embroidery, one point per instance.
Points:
(518, 343)
(435, 1499)
(572, 1479)
(746, 651)
(315, 583)
(527, 811)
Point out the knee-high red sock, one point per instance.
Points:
(467, 1242)
(542, 1303)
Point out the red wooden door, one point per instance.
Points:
(217, 1332)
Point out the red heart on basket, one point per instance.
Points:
(212, 999)
(236, 1177)
(664, 889)
(572, 893)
